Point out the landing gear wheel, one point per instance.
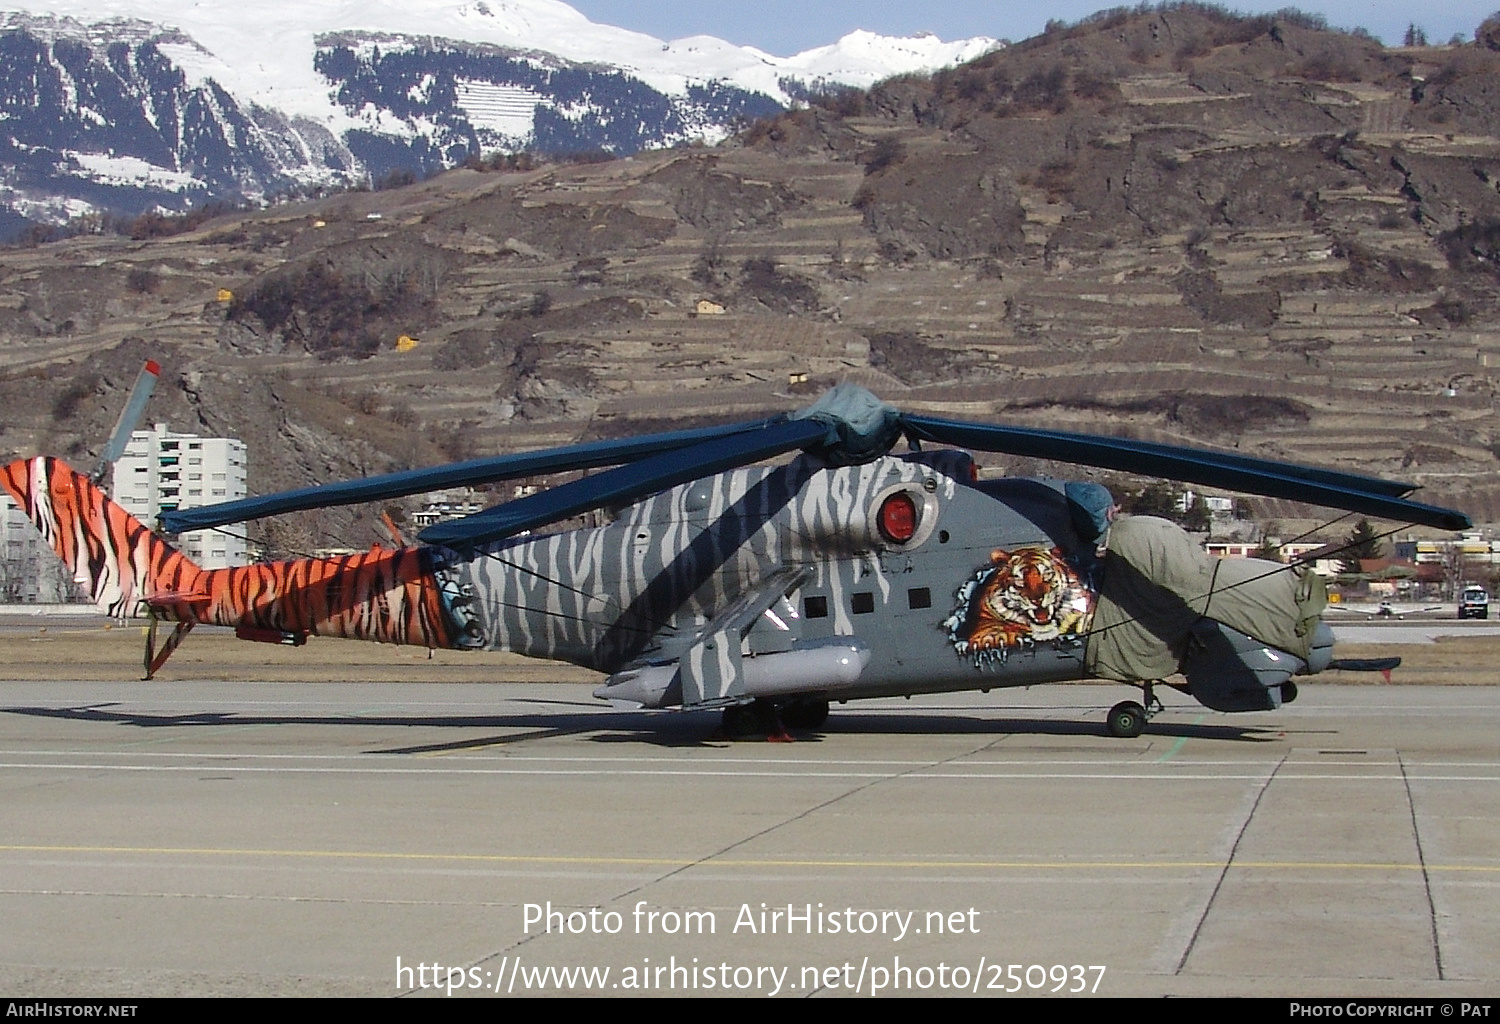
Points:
(1127, 720)
(740, 720)
(805, 714)
(758, 718)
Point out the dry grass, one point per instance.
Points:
(1452, 661)
(90, 651)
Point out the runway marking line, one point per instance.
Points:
(496, 858)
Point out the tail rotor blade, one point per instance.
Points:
(140, 394)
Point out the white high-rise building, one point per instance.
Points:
(162, 471)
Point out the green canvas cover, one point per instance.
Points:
(1157, 582)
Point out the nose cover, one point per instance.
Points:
(1229, 671)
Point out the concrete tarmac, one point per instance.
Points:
(266, 838)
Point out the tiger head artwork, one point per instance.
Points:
(1023, 596)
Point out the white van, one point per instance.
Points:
(1474, 603)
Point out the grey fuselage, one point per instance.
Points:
(647, 588)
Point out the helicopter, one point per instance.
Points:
(769, 591)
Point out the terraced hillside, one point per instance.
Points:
(1248, 233)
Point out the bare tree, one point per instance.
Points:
(1455, 570)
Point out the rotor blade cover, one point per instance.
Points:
(626, 484)
(461, 474)
(1354, 493)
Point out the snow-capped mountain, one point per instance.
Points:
(137, 104)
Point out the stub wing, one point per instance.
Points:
(715, 670)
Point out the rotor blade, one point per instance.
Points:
(460, 474)
(1354, 493)
(135, 405)
(626, 484)
(1069, 447)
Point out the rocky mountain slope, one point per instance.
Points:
(179, 104)
(1249, 233)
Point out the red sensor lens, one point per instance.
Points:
(898, 518)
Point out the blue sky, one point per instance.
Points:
(784, 27)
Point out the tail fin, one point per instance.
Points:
(389, 596)
(110, 552)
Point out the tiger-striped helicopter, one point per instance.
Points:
(848, 571)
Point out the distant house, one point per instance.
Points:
(1218, 506)
(1327, 567)
(1388, 576)
(1473, 548)
(441, 507)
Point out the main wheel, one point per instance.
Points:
(1127, 720)
(805, 714)
(740, 720)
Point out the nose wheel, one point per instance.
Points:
(1127, 719)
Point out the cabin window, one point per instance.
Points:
(919, 597)
(815, 607)
(862, 603)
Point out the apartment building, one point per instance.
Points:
(162, 471)
(29, 571)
